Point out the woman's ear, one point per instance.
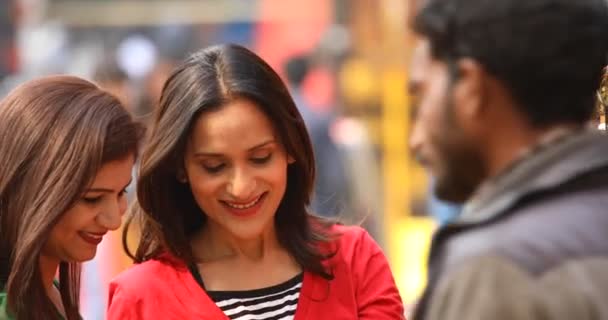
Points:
(290, 159)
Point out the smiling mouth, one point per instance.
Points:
(242, 206)
(92, 238)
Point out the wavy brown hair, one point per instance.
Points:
(166, 210)
(56, 132)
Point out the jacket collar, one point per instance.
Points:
(557, 163)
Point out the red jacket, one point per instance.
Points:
(363, 288)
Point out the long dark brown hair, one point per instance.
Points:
(56, 132)
(166, 210)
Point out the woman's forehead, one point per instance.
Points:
(240, 124)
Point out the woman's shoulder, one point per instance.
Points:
(344, 235)
(351, 241)
(346, 232)
(152, 273)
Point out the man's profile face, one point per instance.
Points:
(437, 140)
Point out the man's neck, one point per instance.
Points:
(516, 146)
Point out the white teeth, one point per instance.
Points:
(94, 236)
(243, 206)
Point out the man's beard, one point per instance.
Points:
(462, 168)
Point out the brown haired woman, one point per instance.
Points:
(67, 150)
(222, 194)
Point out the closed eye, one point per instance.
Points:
(261, 160)
(91, 200)
(214, 169)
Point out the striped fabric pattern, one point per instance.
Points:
(273, 303)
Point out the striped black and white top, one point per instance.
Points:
(278, 302)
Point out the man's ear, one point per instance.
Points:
(469, 92)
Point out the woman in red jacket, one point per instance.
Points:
(222, 194)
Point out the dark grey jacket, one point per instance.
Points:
(535, 246)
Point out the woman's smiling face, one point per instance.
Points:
(236, 168)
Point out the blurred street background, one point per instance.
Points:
(346, 62)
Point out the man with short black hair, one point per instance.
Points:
(508, 90)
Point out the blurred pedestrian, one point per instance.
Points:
(329, 197)
(111, 78)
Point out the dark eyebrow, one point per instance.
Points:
(106, 190)
(211, 154)
(263, 144)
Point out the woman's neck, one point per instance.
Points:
(213, 243)
(48, 270)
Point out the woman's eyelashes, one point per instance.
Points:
(261, 160)
(97, 198)
(91, 200)
(218, 167)
(214, 168)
